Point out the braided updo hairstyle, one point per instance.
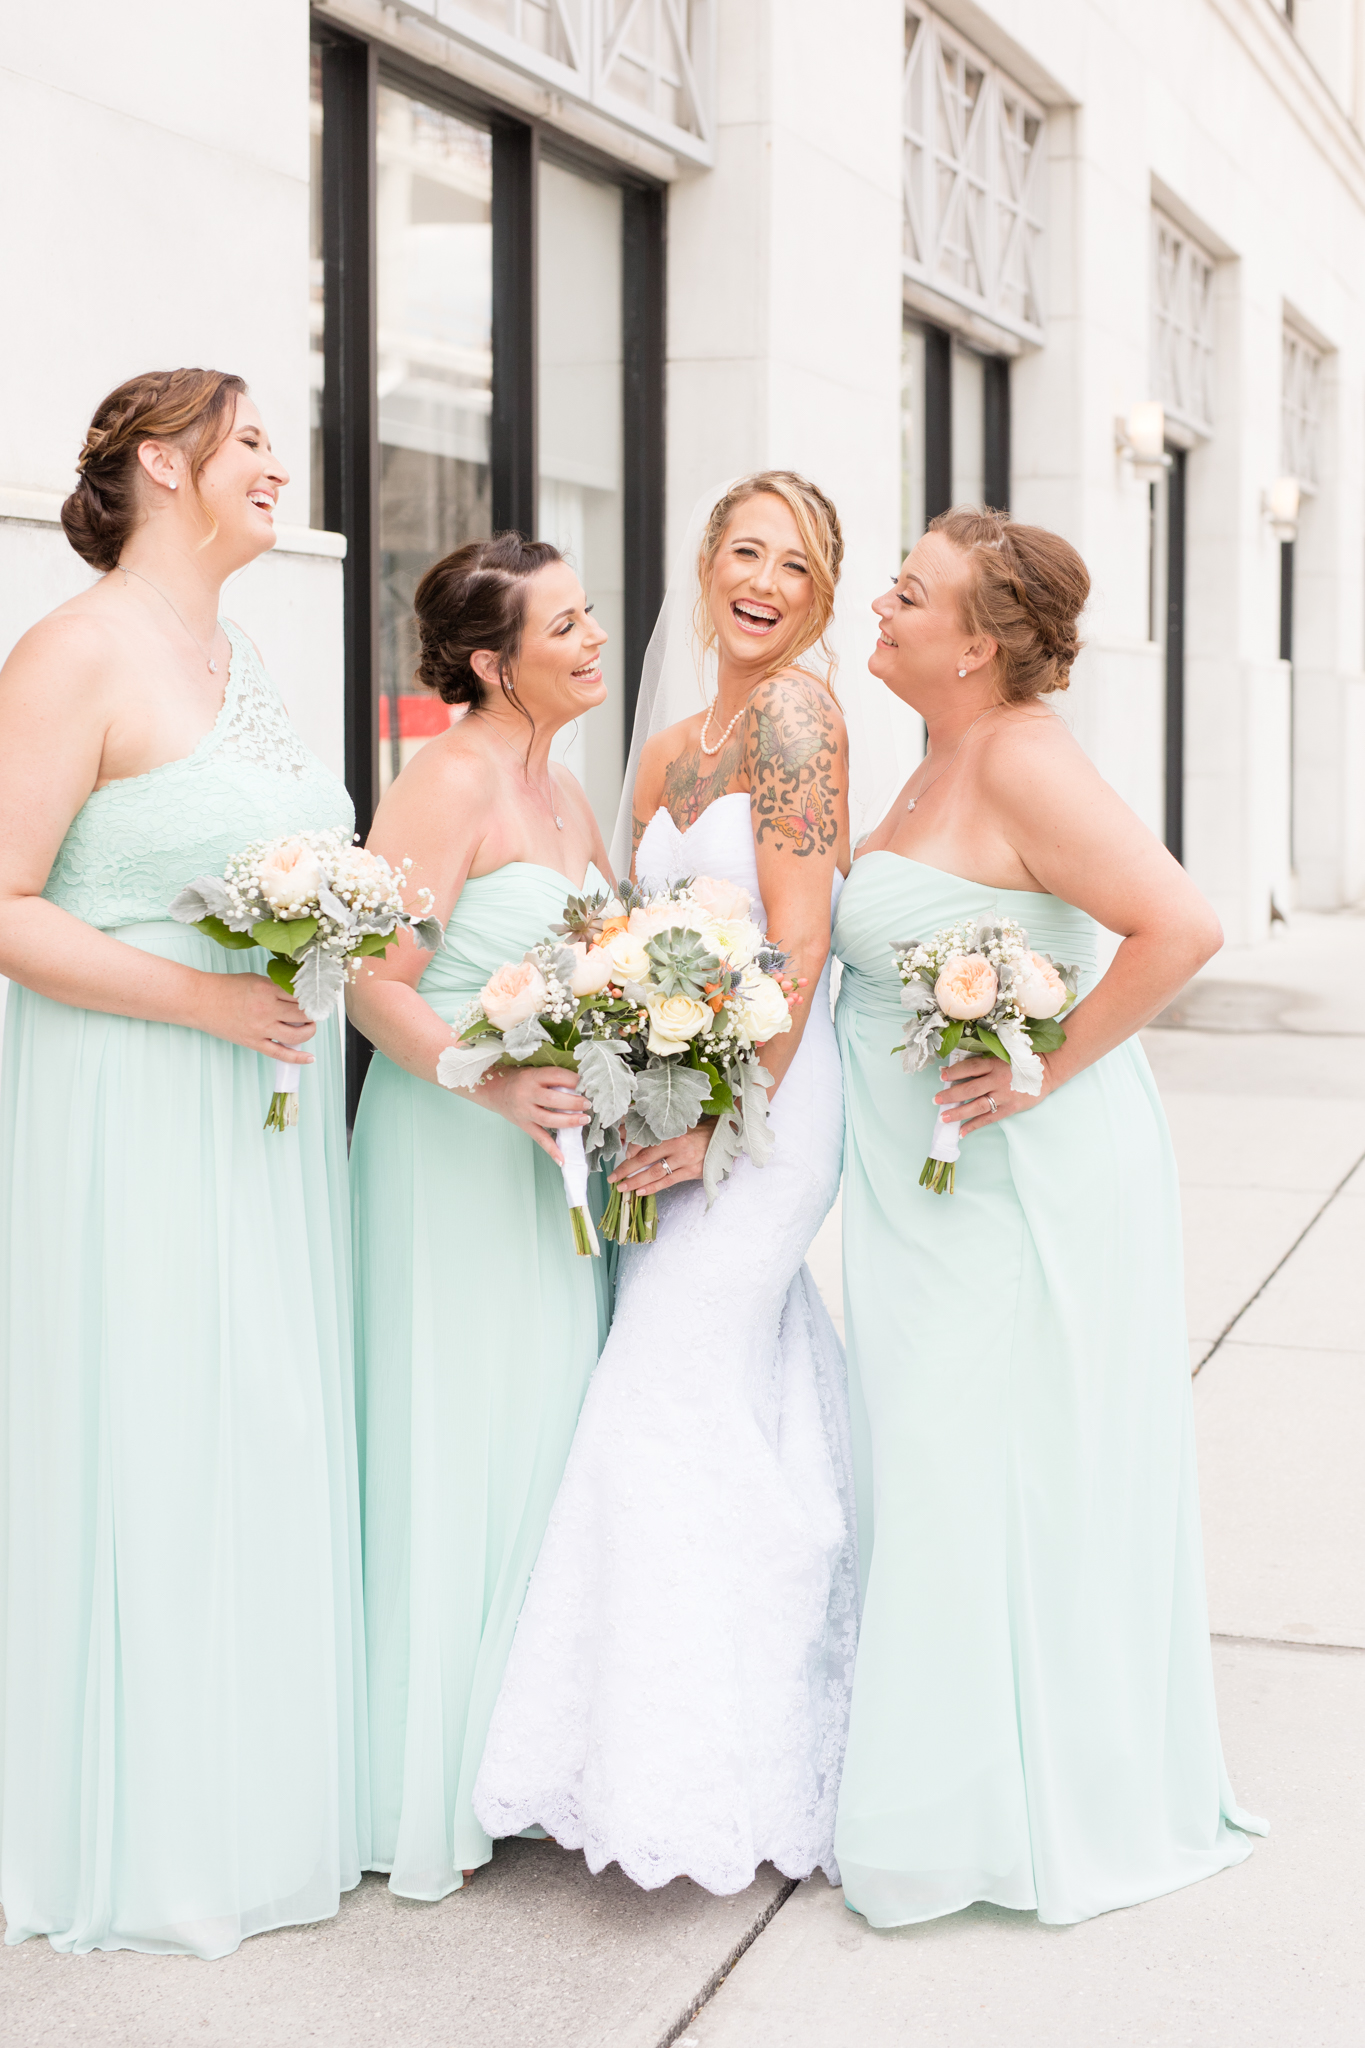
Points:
(471, 601)
(192, 407)
(1026, 587)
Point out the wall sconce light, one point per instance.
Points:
(1280, 505)
(1141, 440)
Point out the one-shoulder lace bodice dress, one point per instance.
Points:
(677, 1694)
(180, 1633)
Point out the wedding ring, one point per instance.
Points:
(994, 1105)
(667, 1165)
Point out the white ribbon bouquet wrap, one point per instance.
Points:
(979, 988)
(659, 1004)
(319, 904)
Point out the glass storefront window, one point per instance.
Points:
(434, 382)
(912, 437)
(580, 504)
(969, 427)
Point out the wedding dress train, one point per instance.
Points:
(677, 1695)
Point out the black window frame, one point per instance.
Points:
(938, 419)
(352, 69)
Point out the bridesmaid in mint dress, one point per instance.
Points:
(477, 1325)
(1033, 1716)
(181, 1684)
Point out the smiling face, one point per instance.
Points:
(922, 642)
(240, 485)
(558, 671)
(759, 590)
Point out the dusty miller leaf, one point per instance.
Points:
(208, 897)
(606, 1080)
(464, 1066)
(522, 1040)
(318, 982)
(668, 1101)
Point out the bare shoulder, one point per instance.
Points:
(67, 657)
(793, 694)
(1031, 743)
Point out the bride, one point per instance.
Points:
(676, 1700)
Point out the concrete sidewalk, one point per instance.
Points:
(1264, 1082)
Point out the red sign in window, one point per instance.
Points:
(419, 718)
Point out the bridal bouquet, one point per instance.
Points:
(660, 1003)
(320, 904)
(979, 988)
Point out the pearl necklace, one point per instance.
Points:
(709, 751)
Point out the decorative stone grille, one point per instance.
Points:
(974, 152)
(1182, 325)
(1300, 408)
(648, 64)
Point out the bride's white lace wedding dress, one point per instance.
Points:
(676, 1700)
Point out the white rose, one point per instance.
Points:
(735, 939)
(592, 970)
(629, 960)
(290, 875)
(514, 993)
(1038, 988)
(673, 1020)
(763, 1009)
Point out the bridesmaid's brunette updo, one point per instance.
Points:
(194, 408)
(474, 601)
(1026, 587)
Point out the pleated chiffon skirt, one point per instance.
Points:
(181, 1646)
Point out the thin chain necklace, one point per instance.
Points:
(525, 762)
(709, 751)
(956, 751)
(206, 652)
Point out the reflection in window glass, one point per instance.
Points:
(580, 508)
(969, 427)
(435, 316)
(316, 516)
(912, 437)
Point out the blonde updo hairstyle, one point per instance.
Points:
(1026, 588)
(193, 408)
(822, 541)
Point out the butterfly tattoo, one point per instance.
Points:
(794, 763)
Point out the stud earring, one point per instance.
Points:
(172, 485)
(962, 671)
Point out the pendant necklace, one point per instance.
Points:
(206, 652)
(912, 801)
(539, 792)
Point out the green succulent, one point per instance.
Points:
(583, 917)
(683, 965)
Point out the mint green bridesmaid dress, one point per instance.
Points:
(181, 1677)
(1033, 1716)
(477, 1330)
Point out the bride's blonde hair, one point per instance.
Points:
(822, 542)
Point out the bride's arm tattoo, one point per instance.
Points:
(794, 762)
(638, 828)
(693, 781)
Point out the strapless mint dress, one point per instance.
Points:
(180, 1631)
(1033, 1716)
(477, 1330)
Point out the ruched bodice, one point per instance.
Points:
(890, 899)
(497, 917)
(134, 844)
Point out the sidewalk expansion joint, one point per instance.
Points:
(718, 1976)
(1284, 1259)
(1291, 1643)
